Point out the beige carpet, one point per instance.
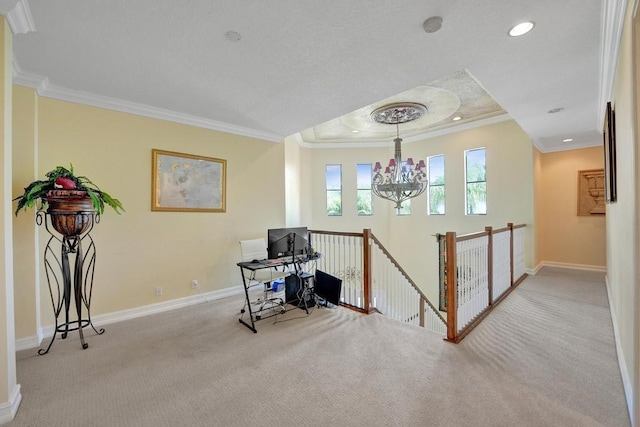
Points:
(544, 357)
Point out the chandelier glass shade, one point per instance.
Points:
(401, 180)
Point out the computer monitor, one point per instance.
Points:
(327, 287)
(287, 242)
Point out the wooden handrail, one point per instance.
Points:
(471, 236)
(451, 239)
(337, 233)
(453, 335)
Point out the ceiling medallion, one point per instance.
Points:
(398, 113)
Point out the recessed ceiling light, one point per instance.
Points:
(521, 29)
(567, 140)
(355, 131)
(456, 118)
(232, 36)
(555, 110)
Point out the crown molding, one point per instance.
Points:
(567, 147)
(20, 19)
(408, 140)
(45, 89)
(613, 12)
(21, 78)
(18, 16)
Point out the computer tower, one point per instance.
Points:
(297, 290)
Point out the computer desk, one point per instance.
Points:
(276, 305)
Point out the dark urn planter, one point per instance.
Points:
(71, 211)
(71, 214)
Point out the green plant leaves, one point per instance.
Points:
(37, 190)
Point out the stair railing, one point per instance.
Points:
(372, 279)
(488, 265)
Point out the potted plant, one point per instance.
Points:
(68, 198)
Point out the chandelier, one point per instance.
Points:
(400, 180)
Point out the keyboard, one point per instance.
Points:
(282, 260)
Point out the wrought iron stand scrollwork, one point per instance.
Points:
(73, 231)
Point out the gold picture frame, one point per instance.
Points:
(187, 183)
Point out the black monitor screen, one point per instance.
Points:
(287, 241)
(328, 287)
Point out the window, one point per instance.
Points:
(364, 193)
(405, 208)
(435, 167)
(476, 179)
(334, 190)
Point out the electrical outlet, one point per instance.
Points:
(195, 284)
(159, 291)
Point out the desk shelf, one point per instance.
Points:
(271, 303)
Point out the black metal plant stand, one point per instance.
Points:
(67, 242)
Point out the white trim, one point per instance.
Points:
(624, 372)
(20, 19)
(585, 267)
(44, 88)
(133, 313)
(611, 26)
(8, 410)
(566, 147)
(533, 271)
(407, 140)
(30, 342)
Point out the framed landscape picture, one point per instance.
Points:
(610, 173)
(187, 183)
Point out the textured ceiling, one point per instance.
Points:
(456, 96)
(300, 64)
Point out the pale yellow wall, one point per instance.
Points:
(622, 218)
(563, 236)
(509, 197)
(25, 246)
(537, 211)
(410, 238)
(292, 183)
(140, 249)
(315, 168)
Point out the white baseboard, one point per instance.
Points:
(133, 313)
(585, 267)
(29, 342)
(624, 372)
(8, 410)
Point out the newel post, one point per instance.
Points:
(489, 230)
(366, 263)
(510, 225)
(452, 287)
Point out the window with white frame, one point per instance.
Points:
(405, 207)
(436, 193)
(334, 190)
(364, 196)
(476, 181)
